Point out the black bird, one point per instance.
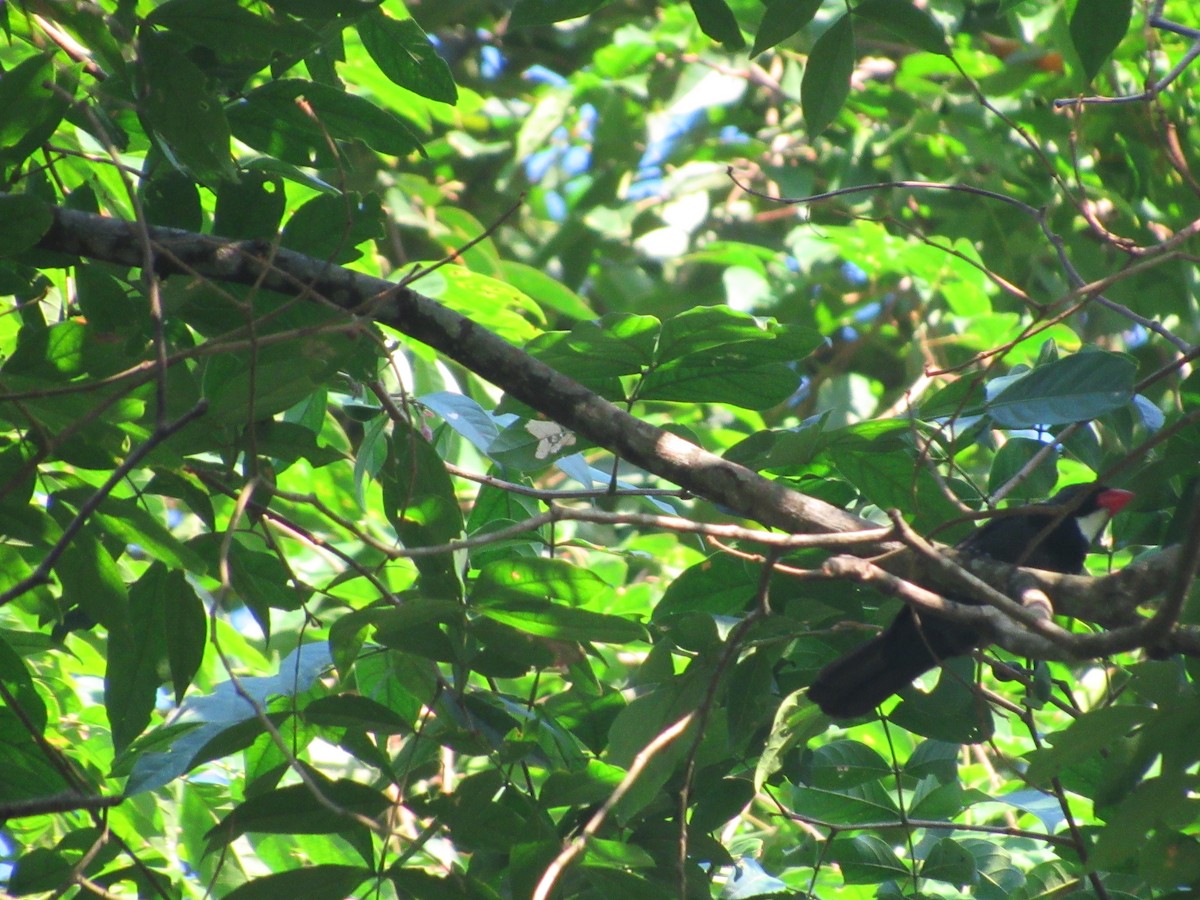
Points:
(854, 684)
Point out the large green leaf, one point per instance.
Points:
(782, 19)
(296, 809)
(717, 21)
(542, 579)
(233, 32)
(1097, 27)
(182, 112)
(325, 881)
(1080, 387)
(34, 97)
(273, 118)
(420, 503)
(866, 859)
(562, 623)
(911, 22)
(547, 12)
(826, 81)
(404, 54)
(23, 221)
(132, 678)
(869, 803)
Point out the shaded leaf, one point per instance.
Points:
(717, 21)
(866, 860)
(420, 503)
(781, 20)
(404, 54)
(23, 221)
(1080, 387)
(527, 13)
(324, 881)
(34, 97)
(351, 711)
(184, 115)
(826, 81)
(910, 22)
(1097, 27)
(295, 809)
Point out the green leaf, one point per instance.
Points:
(23, 221)
(183, 114)
(797, 721)
(911, 23)
(34, 97)
(617, 344)
(1097, 27)
(546, 12)
(718, 804)
(1085, 736)
(541, 579)
(331, 227)
(56, 354)
(218, 722)
(844, 764)
(950, 712)
(826, 81)
(352, 711)
(709, 328)
(731, 374)
(949, 861)
(254, 206)
(295, 809)
(131, 678)
(420, 503)
(883, 471)
(186, 624)
(594, 784)
(251, 386)
(272, 118)
(866, 860)
(132, 524)
(107, 303)
(1080, 387)
(934, 758)
(717, 21)
(235, 33)
(263, 583)
(545, 290)
(855, 806)
(781, 20)
(1164, 800)
(720, 585)
(614, 855)
(324, 881)
(487, 301)
(999, 878)
(564, 623)
(20, 696)
(91, 580)
(404, 54)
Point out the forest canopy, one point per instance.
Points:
(441, 444)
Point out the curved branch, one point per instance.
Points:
(746, 493)
(479, 350)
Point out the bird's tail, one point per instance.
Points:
(856, 683)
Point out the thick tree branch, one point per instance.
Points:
(525, 378)
(263, 265)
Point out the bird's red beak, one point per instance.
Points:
(1114, 499)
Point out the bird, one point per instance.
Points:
(857, 682)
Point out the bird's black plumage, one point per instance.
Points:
(857, 682)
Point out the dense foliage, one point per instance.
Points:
(293, 605)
